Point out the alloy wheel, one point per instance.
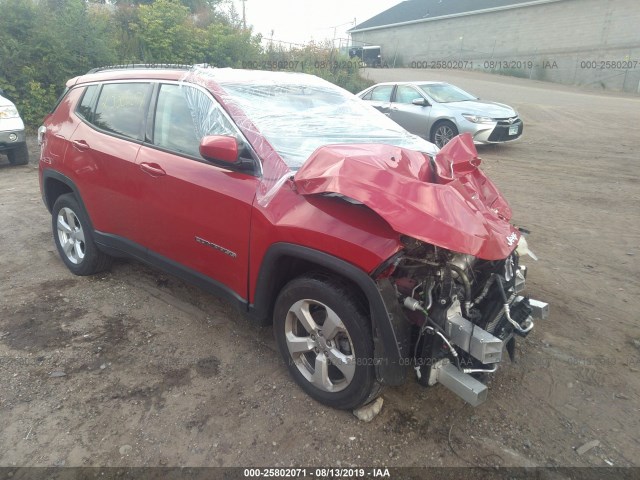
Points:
(320, 345)
(71, 235)
(443, 135)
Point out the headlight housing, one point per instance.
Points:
(477, 118)
(9, 111)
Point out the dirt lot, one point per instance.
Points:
(136, 368)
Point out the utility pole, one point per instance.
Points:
(244, 15)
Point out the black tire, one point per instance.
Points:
(442, 133)
(19, 155)
(79, 252)
(326, 298)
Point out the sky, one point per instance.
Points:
(300, 21)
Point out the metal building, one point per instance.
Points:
(585, 42)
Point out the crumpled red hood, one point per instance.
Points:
(446, 201)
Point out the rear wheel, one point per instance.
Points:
(74, 240)
(19, 155)
(443, 132)
(326, 342)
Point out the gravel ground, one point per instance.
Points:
(136, 368)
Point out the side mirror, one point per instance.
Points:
(219, 148)
(422, 102)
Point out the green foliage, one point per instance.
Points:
(165, 33)
(36, 103)
(317, 59)
(44, 43)
(168, 33)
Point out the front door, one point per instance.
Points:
(194, 213)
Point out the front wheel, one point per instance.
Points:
(443, 132)
(74, 240)
(325, 339)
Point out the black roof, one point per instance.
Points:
(412, 10)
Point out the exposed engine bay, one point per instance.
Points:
(456, 283)
(464, 313)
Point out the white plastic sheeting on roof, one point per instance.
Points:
(298, 113)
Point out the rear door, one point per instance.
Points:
(380, 98)
(414, 118)
(194, 213)
(102, 154)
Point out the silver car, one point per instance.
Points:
(439, 111)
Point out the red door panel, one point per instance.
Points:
(197, 215)
(104, 167)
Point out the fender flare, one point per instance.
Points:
(389, 340)
(48, 174)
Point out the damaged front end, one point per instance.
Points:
(463, 312)
(453, 291)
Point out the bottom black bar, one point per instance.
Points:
(393, 473)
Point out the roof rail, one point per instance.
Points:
(127, 66)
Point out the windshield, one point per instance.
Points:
(299, 113)
(445, 93)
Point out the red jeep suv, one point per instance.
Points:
(372, 253)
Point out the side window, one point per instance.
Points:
(382, 93)
(183, 116)
(406, 94)
(86, 104)
(368, 95)
(120, 108)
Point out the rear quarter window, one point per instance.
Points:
(85, 107)
(60, 98)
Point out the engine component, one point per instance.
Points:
(463, 313)
(462, 384)
(539, 310)
(473, 339)
(521, 275)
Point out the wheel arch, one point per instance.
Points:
(55, 184)
(284, 262)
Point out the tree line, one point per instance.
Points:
(43, 43)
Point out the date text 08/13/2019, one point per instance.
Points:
(316, 472)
